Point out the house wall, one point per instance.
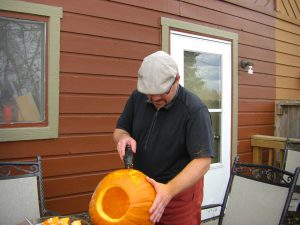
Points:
(102, 46)
(290, 8)
(287, 60)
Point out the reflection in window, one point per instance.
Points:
(22, 71)
(216, 126)
(202, 76)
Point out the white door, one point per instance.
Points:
(205, 66)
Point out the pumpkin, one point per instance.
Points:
(123, 197)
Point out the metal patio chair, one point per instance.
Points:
(256, 194)
(291, 160)
(21, 191)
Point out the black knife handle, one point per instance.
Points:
(128, 158)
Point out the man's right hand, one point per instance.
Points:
(122, 138)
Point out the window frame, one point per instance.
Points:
(54, 14)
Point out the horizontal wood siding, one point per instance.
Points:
(288, 78)
(102, 46)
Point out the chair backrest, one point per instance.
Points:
(257, 194)
(21, 191)
(291, 158)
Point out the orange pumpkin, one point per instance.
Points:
(123, 197)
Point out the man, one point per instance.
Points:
(169, 130)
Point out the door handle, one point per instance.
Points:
(217, 137)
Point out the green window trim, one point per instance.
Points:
(54, 15)
(169, 24)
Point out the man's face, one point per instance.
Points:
(160, 100)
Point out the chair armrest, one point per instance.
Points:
(51, 213)
(211, 206)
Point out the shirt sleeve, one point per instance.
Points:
(199, 134)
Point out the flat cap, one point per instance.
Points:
(157, 73)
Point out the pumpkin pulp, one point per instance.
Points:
(115, 202)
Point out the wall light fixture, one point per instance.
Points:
(247, 66)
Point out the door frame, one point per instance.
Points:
(172, 24)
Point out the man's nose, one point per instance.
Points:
(155, 97)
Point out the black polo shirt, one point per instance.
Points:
(168, 138)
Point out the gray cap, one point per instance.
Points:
(157, 73)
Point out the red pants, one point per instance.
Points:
(184, 208)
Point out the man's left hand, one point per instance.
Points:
(162, 198)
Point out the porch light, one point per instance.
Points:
(247, 66)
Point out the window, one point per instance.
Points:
(29, 70)
(22, 71)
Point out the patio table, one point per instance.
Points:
(293, 218)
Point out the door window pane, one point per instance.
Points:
(216, 126)
(202, 76)
(22, 71)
